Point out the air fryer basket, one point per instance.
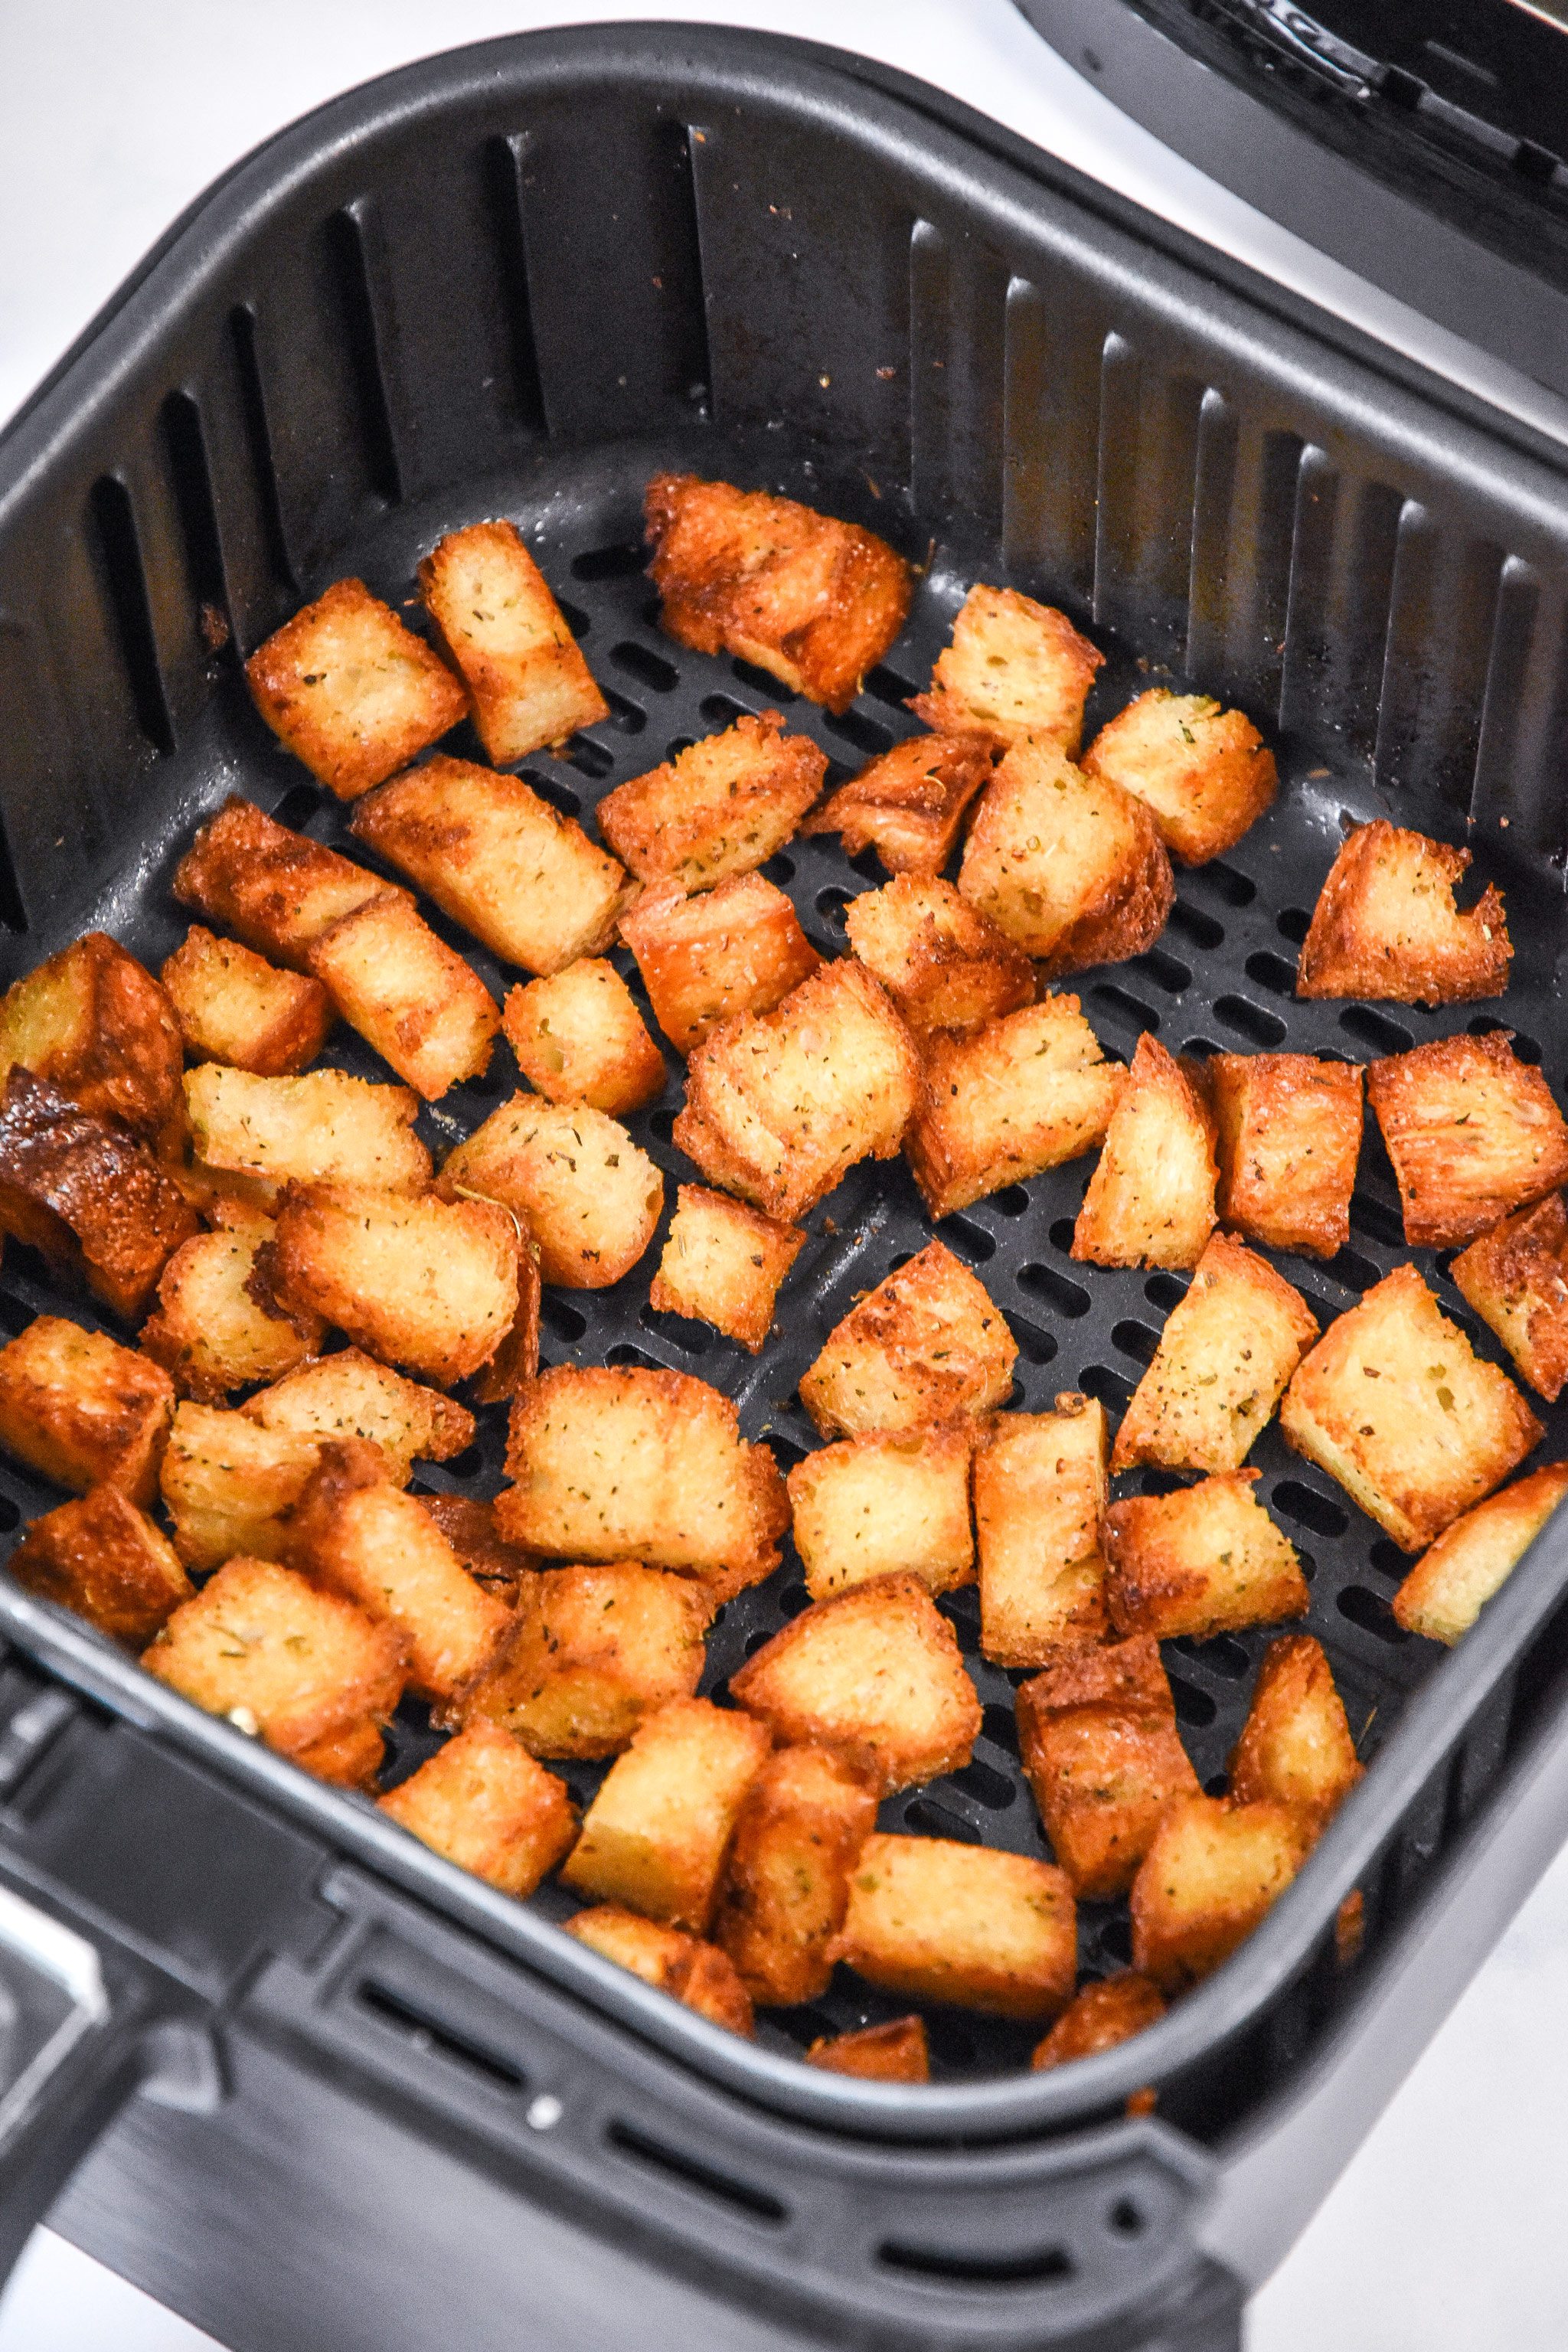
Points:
(520, 279)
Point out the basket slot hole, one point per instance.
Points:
(126, 580)
(1357, 1273)
(1165, 1291)
(1250, 1021)
(678, 2164)
(976, 1243)
(1149, 1480)
(1062, 1232)
(723, 710)
(1372, 1612)
(618, 562)
(626, 1352)
(1376, 1029)
(1036, 1346)
(779, 870)
(14, 1314)
(885, 686)
(1306, 1509)
(1044, 1282)
(1193, 1707)
(677, 744)
(1221, 1653)
(1136, 1339)
(1525, 1049)
(1108, 1387)
(763, 682)
(1013, 1201)
(1125, 2218)
(1377, 1221)
(1116, 1942)
(867, 735)
(563, 1322)
(1000, 1727)
(662, 1123)
(1388, 1559)
(650, 669)
(415, 2026)
(630, 717)
(1028, 2268)
(1124, 1011)
(933, 1819)
(1293, 923)
(590, 758)
(573, 615)
(1165, 971)
(1272, 972)
(561, 797)
(986, 1785)
(299, 805)
(1223, 882)
(693, 1338)
(1193, 924)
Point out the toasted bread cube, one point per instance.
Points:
(895, 1499)
(696, 1974)
(97, 1026)
(83, 1410)
(1295, 1746)
(483, 1802)
(723, 1265)
(1205, 773)
(655, 1836)
(1385, 925)
(942, 1922)
(1013, 668)
(324, 1127)
(430, 1285)
(1516, 1279)
(1100, 2018)
(594, 1651)
(1150, 1200)
(218, 1326)
(234, 1006)
(721, 806)
(1028, 1092)
(106, 1560)
(231, 1486)
(1206, 1560)
(780, 1108)
(528, 684)
(1445, 1591)
(798, 1837)
(583, 1193)
(927, 1343)
(908, 802)
(1039, 1496)
(1215, 1869)
(943, 963)
(875, 1672)
(896, 2052)
(516, 1361)
(1394, 1404)
(349, 1395)
(814, 602)
(1287, 1140)
(277, 890)
(1099, 1739)
(470, 1526)
(1472, 1132)
(1225, 1358)
(351, 691)
(736, 949)
(89, 1197)
(408, 994)
(578, 1037)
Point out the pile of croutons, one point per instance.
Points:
(308, 1288)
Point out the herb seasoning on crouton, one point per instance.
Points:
(593, 1651)
(217, 1325)
(655, 1836)
(1448, 1586)
(1385, 925)
(528, 684)
(927, 1343)
(1039, 1497)
(579, 1038)
(279, 890)
(83, 1410)
(348, 1394)
(943, 963)
(1101, 2017)
(722, 1264)
(934, 1920)
(92, 1024)
(1206, 1560)
(798, 1835)
(87, 1196)
(723, 806)
(1099, 1739)
(895, 1499)
(234, 1006)
(351, 691)
(1472, 1132)
(1013, 668)
(102, 1557)
(1224, 1359)
(1150, 1199)
(1295, 1746)
(588, 1198)
(696, 1974)
(1516, 1278)
(1028, 1092)
(1287, 1141)
(1205, 773)
(715, 957)
(483, 1802)
(1214, 1871)
(908, 802)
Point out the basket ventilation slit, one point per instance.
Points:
(258, 436)
(503, 165)
(1309, 594)
(1022, 2268)
(1213, 492)
(357, 247)
(197, 505)
(1120, 389)
(1511, 704)
(414, 2025)
(125, 577)
(930, 296)
(693, 2172)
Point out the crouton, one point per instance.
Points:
(351, 691)
(528, 684)
(1099, 1740)
(875, 1672)
(1150, 1199)
(96, 1026)
(277, 890)
(583, 1193)
(528, 883)
(892, 1500)
(798, 1835)
(234, 1006)
(694, 1973)
(231, 1486)
(430, 1285)
(721, 806)
(1013, 668)
(723, 1265)
(1100, 2017)
(896, 2052)
(927, 1343)
(1472, 1132)
(349, 1395)
(409, 994)
(217, 1325)
(1028, 1092)
(1214, 1870)
(322, 1127)
(736, 949)
(1385, 925)
(103, 1557)
(935, 1921)
(943, 963)
(1516, 1279)
(1287, 1140)
(83, 1410)
(1206, 1560)
(814, 602)
(908, 802)
(516, 1361)
(470, 1526)
(1445, 1591)
(1394, 1404)
(1295, 1746)
(594, 1651)
(779, 1108)
(1225, 1358)
(483, 1802)
(655, 1836)
(1039, 1495)
(91, 1198)
(1205, 774)
(578, 1037)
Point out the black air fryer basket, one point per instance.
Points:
(317, 2085)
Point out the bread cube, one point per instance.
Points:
(1098, 1735)
(1028, 1092)
(1150, 1199)
(528, 684)
(655, 1836)
(723, 1265)
(927, 1343)
(945, 966)
(234, 1006)
(779, 1108)
(324, 1127)
(1225, 1358)
(814, 602)
(725, 952)
(1215, 1869)
(483, 1802)
(578, 1037)
(1472, 1132)
(230, 1485)
(1394, 1404)
(102, 1557)
(1516, 1279)
(1385, 925)
(91, 1198)
(1013, 668)
(409, 994)
(470, 1526)
(1295, 1746)
(279, 890)
(96, 1026)
(892, 1500)
(594, 1651)
(83, 1410)
(217, 1325)
(721, 806)
(908, 802)
(516, 1361)
(798, 1835)
(1039, 1496)
(1205, 773)
(1100, 2018)
(430, 1285)
(1445, 1591)
(938, 1921)
(584, 1195)
(1287, 1140)
(349, 1395)
(696, 1974)
(896, 2052)
(1206, 1560)
(351, 691)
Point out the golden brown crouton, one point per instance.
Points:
(1205, 773)
(945, 966)
(89, 1196)
(516, 1361)
(349, 1395)
(798, 1837)
(927, 1343)
(875, 1672)
(578, 1037)
(908, 802)
(723, 1265)
(593, 1652)
(277, 890)
(894, 1499)
(1472, 1132)
(583, 1193)
(106, 1560)
(780, 1108)
(324, 1127)
(408, 993)
(1208, 1559)
(1039, 1495)
(736, 949)
(1288, 1137)
(1213, 1872)
(528, 684)
(1385, 925)
(721, 806)
(231, 1486)
(696, 1974)
(1295, 1746)
(814, 602)
(1100, 2017)
(1028, 1092)
(470, 1526)
(1013, 668)
(1394, 1404)
(1445, 1591)
(217, 1325)
(1151, 1198)
(234, 1006)
(351, 691)
(939, 1921)
(483, 1802)
(1222, 1365)
(83, 1410)
(430, 1285)
(1516, 1279)
(655, 1836)
(94, 1024)
(1098, 1735)
(894, 2052)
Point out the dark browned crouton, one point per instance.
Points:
(723, 1265)
(470, 1526)
(1473, 1132)
(1295, 1746)
(1288, 1137)
(1013, 668)
(935, 1921)
(594, 1651)
(93, 1024)
(276, 888)
(1206, 1560)
(106, 1560)
(528, 684)
(428, 1283)
(927, 1343)
(1448, 1586)
(583, 1193)
(1028, 1092)
(1099, 1739)
(351, 691)
(578, 1037)
(1213, 1872)
(483, 1802)
(1516, 1278)
(908, 802)
(1224, 1359)
(798, 1835)
(943, 963)
(725, 952)
(1385, 925)
(1100, 2017)
(655, 1836)
(1151, 1198)
(721, 806)
(1039, 1496)
(696, 1974)
(1206, 774)
(893, 2052)
(234, 1006)
(83, 1410)
(89, 1196)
